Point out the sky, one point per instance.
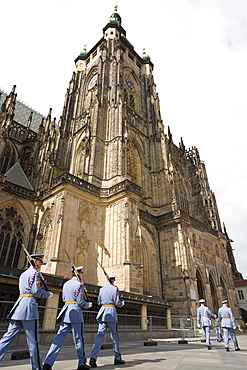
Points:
(199, 52)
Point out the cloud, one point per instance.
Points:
(236, 35)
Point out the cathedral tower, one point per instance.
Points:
(110, 185)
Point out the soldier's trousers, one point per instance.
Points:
(226, 332)
(207, 334)
(77, 331)
(103, 326)
(31, 329)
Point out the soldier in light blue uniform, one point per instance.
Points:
(203, 320)
(228, 325)
(71, 319)
(24, 314)
(107, 316)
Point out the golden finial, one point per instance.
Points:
(115, 8)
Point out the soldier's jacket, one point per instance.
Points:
(25, 307)
(108, 299)
(204, 315)
(226, 317)
(73, 297)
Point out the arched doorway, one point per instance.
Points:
(213, 294)
(200, 286)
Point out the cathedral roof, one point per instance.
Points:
(115, 22)
(22, 113)
(17, 176)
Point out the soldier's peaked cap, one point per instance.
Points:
(79, 268)
(37, 257)
(112, 276)
(225, 301)
(202, 300)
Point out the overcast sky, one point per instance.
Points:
(199, 51)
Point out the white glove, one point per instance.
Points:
(90, 304)
(199, 326)
(123, 303)
(51, 295)
(234, 327)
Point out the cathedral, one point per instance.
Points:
(107, 184)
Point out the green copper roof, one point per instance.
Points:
(17, 176)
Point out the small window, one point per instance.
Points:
(240, 294)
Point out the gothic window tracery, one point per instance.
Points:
(26, 161)
(11, 237)
(8, 159)
(134, 165)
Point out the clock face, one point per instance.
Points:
(129, 84)
(92, 82)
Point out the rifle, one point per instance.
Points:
(77, 275)
(106, 275)
(31, 261)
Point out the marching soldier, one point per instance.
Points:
(203, 320)
(228, 325)
(107, 316)
(24, 314)
(71, 319)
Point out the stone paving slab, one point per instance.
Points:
(166, 355)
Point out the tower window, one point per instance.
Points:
(240, 294)
(11, 236)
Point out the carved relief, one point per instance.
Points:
(82, 244)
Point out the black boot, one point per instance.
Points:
(92, 362)
(119, 362)
(47, 367)
(85, 366)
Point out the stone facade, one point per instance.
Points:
(107, 183)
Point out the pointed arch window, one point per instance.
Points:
(7, 160)
(11, 237)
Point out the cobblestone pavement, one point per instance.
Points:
(168, 355)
